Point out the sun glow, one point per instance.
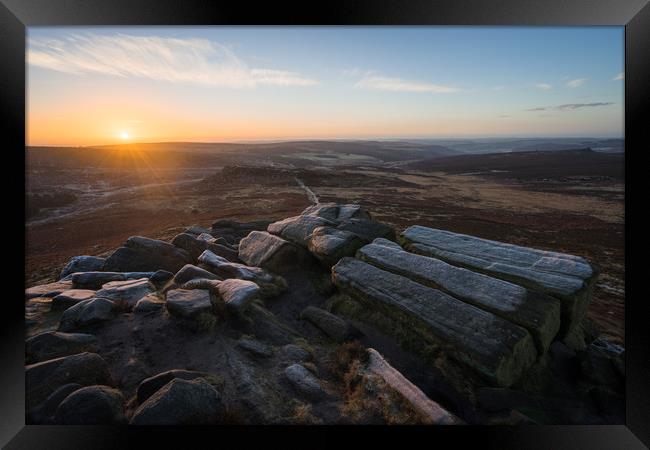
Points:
(124, 136)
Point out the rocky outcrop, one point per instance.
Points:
(538, 313)
(53, 344)
(330, 231)
(87, 313)
(567, 277)
(141, 254)
(92, 405)
(497, 349)
(42, 379)
(270, 252)
(181, 402)
(195, 246)
(271, 285)
(149, 303)
(83, 263)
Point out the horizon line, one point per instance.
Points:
(287, 140)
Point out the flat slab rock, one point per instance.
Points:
(497, 349)
(47, 290)
(567, 277)
(95, 280)
(151, 385)
(432, 412)
(270, 252)
(238, 295)
(70, 298)
(128, 292)
(538, 313)
(333, 326)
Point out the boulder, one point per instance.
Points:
(367, 230)
(70, 298)
(54, 344)
(304, 382)
(44, 412)
(334, 327)
(190, 272)
(83, 263)
(188, 304)
(181, 402)
(431, 412)
(238, 295)
(126, 292)
(255, 348)
(270, 252)
(330, 244)
(86, 314)
(195, 246)
(151, 385)
(497, 349)
(271, 285)
(538, 313)
(43, 378)
(567, 277)
(160, 278)
(95, 280)
(335, 212)
(92, 405)
(47, 290)
(298, 229)
(149, 303)
(144, 254)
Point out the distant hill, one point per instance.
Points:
(529, 164)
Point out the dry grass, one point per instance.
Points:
(302, 415)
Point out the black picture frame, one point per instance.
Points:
(16, 15)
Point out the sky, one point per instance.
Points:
(106, 85)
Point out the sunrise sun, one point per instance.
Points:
(124, 135)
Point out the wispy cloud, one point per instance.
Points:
(576, 83)
(570, 106)
(620, 76)
(543, 86)
(381, 83)
(170, 59)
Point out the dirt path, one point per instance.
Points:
(310, 194)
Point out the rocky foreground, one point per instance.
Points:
(329, 317)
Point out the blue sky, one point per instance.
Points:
(230, 83)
